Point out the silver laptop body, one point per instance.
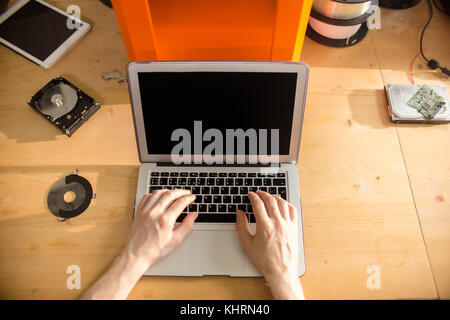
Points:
(163, 96)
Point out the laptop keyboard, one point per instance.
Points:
(220, 194)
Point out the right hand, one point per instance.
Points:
(274, 246)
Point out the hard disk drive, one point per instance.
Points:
(417, 104)
(64, 105)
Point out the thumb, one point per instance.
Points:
(184, 227)
(243, 229)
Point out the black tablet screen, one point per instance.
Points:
(36, 29)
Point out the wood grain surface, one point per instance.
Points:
(373, 193)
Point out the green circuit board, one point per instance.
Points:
(426, 101)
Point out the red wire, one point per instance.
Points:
(411, 73)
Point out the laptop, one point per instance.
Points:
(219, 129)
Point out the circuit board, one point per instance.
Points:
(426, 101)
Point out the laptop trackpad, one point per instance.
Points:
(216, 252)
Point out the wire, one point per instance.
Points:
(425, 27)
(412, 65)
(431, 63)
(411, 70)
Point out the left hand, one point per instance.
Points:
(153, 234)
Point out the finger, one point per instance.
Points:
(283, 207)
(243, 230)
(155, 195)
(270, 203)
(170, 196)
(258, 207)
(148, 200)
(179, 205)
(180, 232)
(293, 213)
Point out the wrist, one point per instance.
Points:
(118, 280)
(286, 286)
(131, 266)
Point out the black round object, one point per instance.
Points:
(398, 4)
(354, 39)
(75, 183)
(433, 64)
(107, 3)
(341, 22)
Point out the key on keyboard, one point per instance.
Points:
(219, 194)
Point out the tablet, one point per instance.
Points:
(39, 31)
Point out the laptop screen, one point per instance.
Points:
(216, 100)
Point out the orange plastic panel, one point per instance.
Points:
(213, 29)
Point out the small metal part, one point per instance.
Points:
(115, 74)
(57, 100)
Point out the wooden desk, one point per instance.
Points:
(425, 149)
(363, 183)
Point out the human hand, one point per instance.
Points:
(152, 237)
(274, 246)
(153, 234)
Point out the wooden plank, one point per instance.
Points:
(357, 205)
(36, 248)
(106, 138)
(341, 70)
(424, 147)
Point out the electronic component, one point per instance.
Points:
(70, 196)
(64, 105)
(427, 101)
(399, 95)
